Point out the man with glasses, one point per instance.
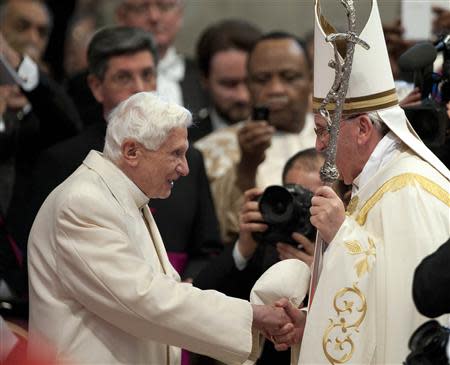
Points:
(178, 76)
(362, 310)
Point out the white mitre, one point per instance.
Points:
(371, 85)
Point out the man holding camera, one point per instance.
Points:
(252, 153)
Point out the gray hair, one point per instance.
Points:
(378, 123)
(116, 41)
(147, 119)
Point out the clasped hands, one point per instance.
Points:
(281, 323)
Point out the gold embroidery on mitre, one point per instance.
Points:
(397, 183)
(351, 308)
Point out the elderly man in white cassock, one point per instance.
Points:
(362, 311)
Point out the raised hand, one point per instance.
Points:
(303, 252)
(250, 220)
(254, 139)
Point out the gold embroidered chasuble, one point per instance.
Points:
(363, 311)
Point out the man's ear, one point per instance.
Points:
(130, 150)
(366, 129)
(95, 84)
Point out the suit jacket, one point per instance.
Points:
(190, 204)
(194, 96)
(201, 126)
(102, 289)
(432, 282)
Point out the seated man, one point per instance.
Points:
(102, 289)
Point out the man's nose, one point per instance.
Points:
(276, 86)
(139, 85)
(183, 168)
(242, 94)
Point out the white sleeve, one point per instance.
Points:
(239, 260)
(8, 340)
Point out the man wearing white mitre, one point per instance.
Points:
(362, 310)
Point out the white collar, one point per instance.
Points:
(172, 66)
(382, 154)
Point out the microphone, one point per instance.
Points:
(443, 44)
(417, 57)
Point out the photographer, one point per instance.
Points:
(430, 343)
(236, 270)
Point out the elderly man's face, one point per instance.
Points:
(227, 84)
(162, 18)
(26, 27)
(347, 155)
(279, 78)
(125, 75)
(158, 170)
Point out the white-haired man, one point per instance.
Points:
(102, 289)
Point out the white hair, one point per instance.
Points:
(146, 118)
(378, 122)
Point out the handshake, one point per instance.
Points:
(281, 323)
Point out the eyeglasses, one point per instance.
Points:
(322, 133)
(145, 6)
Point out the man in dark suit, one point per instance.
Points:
(122, 62)
(222, 52)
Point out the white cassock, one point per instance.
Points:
(363, 311)
(102, 290)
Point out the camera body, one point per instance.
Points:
(428, 345)
(285, 210)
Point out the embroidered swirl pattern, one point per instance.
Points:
(351, 308)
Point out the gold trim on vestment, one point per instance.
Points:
(362, 104)
(397, 183)
(347, 303)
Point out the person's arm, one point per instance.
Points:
(112, 280)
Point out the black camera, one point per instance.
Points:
(428, 345)
(285, 210)
(429, 119)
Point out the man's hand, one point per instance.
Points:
(304, 251)
(412, 99)
(292, 333)
(271, 320)
(327, 212)
(250, 220)
(254, 139)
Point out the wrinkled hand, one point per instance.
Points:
(250, 220)
(271, 320)
(413, 98)
(304, 251)
(327, 212)
(292, 333)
